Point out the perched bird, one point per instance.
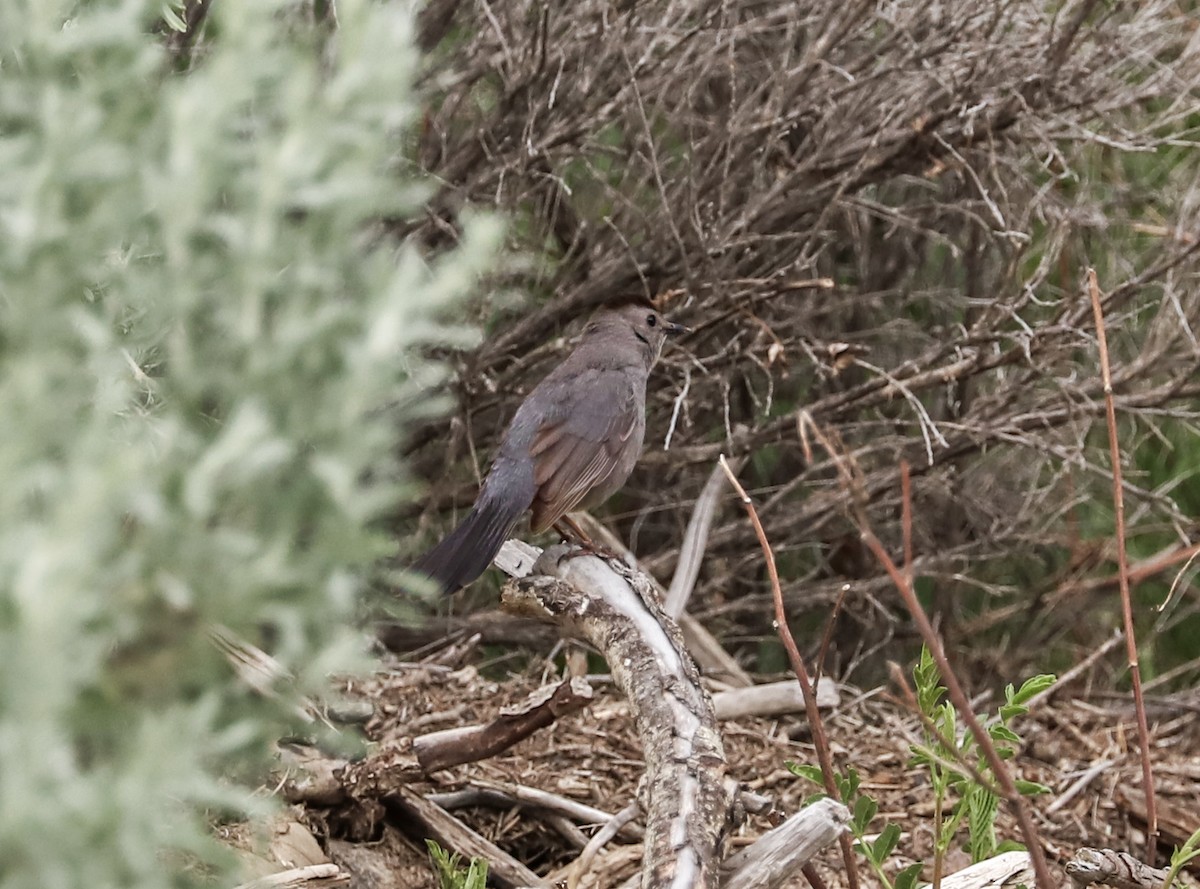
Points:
(572, 443)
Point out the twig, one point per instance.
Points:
(797, 662)
(584, 862)
(1078, 785)
(691, 552)
(330, 875)
(456, 746)
(827, 636)
(1135, 673)
(1080, 668)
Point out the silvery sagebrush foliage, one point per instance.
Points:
(206, 359)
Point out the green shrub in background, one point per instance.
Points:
(206, 357)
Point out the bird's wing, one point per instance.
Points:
(573, 455)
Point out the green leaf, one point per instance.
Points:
(907, 878)
(1030, 788)
(1000, 732)
(885, 843)
(854, 778)
(170, 15)
(477, 874)
(1032, 686)
(809, 772)
(1008, 712)
(864, 810)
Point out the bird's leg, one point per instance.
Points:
(568, 529)
(571, 532)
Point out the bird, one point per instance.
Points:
(571, 444)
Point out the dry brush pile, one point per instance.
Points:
(876, 218)
(876, 212)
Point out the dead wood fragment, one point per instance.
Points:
(772, 699)
(488, 793)
(452, 747)
(583, 863)
(322, 781)
(618, 611)
(1005, 871)
(312, 876)
(695, 539)
(434, 822)
(1115, 869)
(778, 854)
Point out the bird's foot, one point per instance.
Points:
(591, 548)
(568, 529)
(572, 533)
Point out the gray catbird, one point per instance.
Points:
(572, 443)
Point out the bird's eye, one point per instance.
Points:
(651, 320)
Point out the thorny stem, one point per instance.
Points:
(1135, 674)
(807, 690)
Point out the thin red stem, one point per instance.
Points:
(1131, 651)
(807, 689)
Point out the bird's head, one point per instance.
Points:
(645, 323)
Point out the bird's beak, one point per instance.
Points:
(672, 329)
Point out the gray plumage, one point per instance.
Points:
(572, 443)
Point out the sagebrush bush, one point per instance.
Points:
(207, 356)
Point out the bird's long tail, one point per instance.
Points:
(464, 554)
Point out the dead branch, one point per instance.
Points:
(695, 538)
(452, 747)
(703, 646)
(1117, 869)
(1007, 871)
(772, 699)
(510, 796)
(615, 609)
(430, 820)
(778, 854)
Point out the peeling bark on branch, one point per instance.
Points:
(687, 804)
(1116, 869)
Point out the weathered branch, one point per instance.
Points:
(445, 749)
(686, 801)
(778, 854)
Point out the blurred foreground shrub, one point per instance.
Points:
(205, 351)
